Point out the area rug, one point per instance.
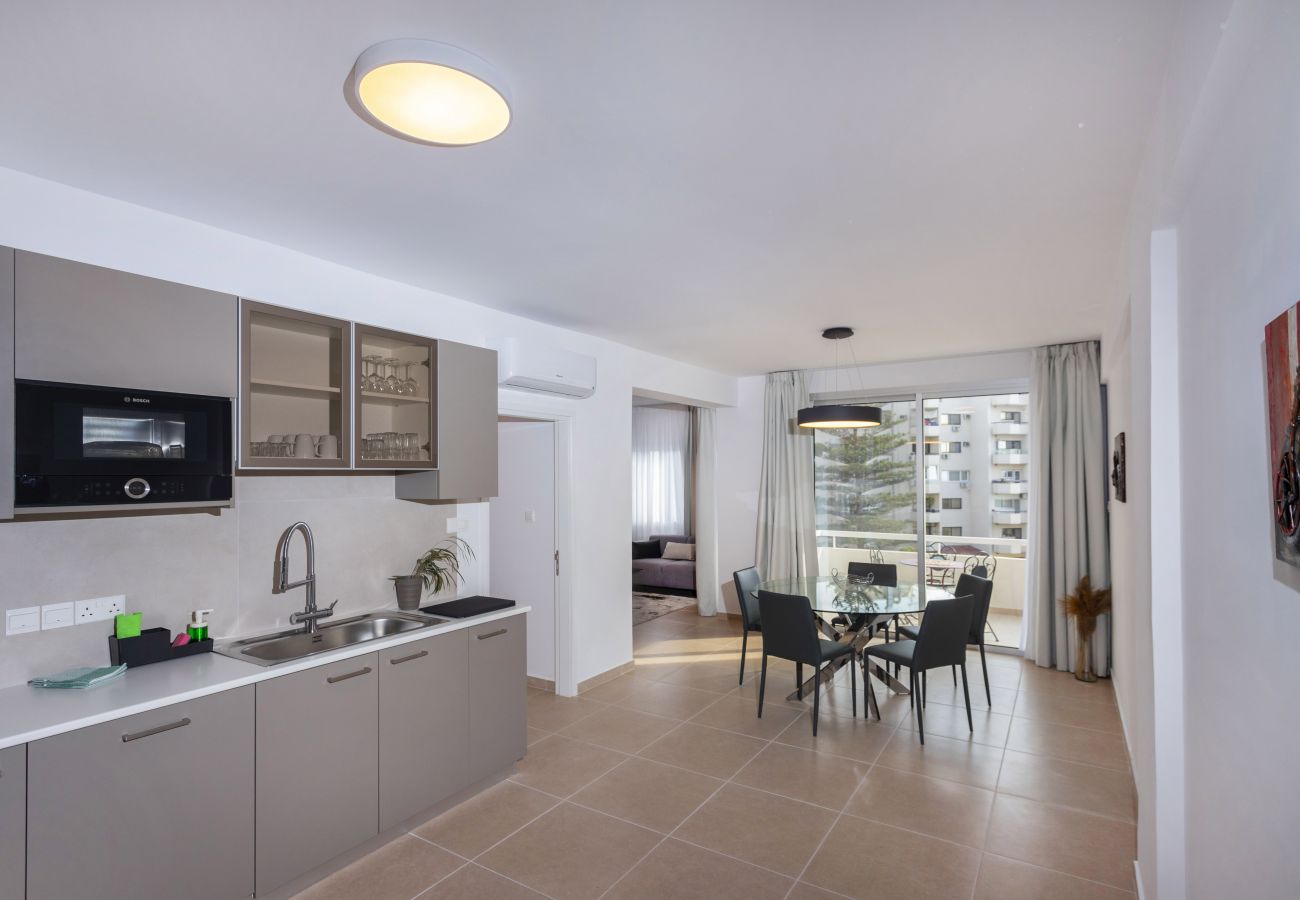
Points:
(651, 606)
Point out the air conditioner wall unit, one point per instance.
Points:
(548, 370)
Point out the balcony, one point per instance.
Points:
(1014, 401)
(1008, 517)
(932, 430)
(1012, 488)
(1011, 458)
(932, 516)
(1015, 428)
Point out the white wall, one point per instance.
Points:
(1211, 733)
(46, 217)
(522, 524)
(740, 464)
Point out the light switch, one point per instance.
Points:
(21, 621)
(530, 515)
(56, 615)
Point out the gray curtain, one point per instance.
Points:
(787, 534)
(1067, 521)
(704, 481)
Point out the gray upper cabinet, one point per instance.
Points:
(317, 767)
(6, 384)
(466, 429)
(498, 696)
(149, 807)
(13, 822)
(88, 325)
(423, 725)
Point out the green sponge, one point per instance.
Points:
(127, 625)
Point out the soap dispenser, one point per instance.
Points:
(198, 627)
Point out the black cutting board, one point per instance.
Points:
(466, 607)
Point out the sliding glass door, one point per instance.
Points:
(941, 487)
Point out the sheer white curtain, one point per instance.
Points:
(1067, 526)
(708, 588)
(786, 542)
(661, 459)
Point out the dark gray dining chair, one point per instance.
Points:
(790, 632)
(981, 589)
(746, 582)
(884, 574)
(941, 642)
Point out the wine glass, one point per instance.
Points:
(411, 387)
(391, 380)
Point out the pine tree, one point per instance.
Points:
(863, 483)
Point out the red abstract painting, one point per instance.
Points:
(1281, 358)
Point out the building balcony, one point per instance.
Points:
(933, 430)
(1011, 458)
(1008, 517)
(1014, 428)
(1014, 401)
(1013, 488)
(932, 516)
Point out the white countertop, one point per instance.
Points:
(29, 714)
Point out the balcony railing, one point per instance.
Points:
(1016, 488)
(1010, 458)
(836, 549)
(1009, 400)
(1003, 427)
(1008, 517)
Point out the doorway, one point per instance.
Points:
(522, 521)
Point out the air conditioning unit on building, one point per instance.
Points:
(943, 455)
(965, 443)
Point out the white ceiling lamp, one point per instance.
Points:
(429, 92)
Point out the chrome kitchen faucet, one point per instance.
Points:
(310, 615)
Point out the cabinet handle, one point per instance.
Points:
(335, 679)
(409, 658)
(492, 634)
(128, 738)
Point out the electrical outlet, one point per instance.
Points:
(98, 609)
(56, 615)
(22, 621)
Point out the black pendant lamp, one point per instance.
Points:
(839, 415)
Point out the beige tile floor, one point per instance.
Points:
(664, 784)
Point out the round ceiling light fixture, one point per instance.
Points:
(430, 93)
(840, 415)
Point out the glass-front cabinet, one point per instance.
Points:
(396, 388)
(296, 409)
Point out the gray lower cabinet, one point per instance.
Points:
(423, 721)
(149, 807)
(13, 822)
(498, 696)
(317, 767)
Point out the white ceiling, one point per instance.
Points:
(714, 181)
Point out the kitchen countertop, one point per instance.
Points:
(29, 714)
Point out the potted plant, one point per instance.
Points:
(1085, 605)
(434, 572)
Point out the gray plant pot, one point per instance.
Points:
(410, 588)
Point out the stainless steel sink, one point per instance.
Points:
(286, 646)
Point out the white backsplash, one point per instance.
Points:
(168, 565)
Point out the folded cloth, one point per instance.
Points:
(80, 678)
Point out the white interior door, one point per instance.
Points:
(522, 522)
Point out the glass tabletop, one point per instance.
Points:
(837, 594)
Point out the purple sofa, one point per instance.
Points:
(657, 572)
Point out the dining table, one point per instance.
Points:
(862, 605)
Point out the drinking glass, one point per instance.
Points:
(391, 381)
(410, 386)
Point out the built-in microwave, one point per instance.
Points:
(83, 446)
